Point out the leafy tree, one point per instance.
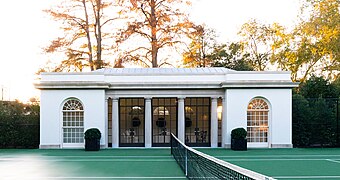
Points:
(301, 120)
(231, 57)
(323, 121)
(256, 42)
(323, 28)
(83, 41)
(12, 108)
(316, 87)
(157, 25)
(336, 85)
(314, 44)
(8, 108)
(203, 40)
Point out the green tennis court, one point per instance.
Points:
(159, 164)
(308, 163)
(78, 164)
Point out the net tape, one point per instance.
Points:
(197, 165)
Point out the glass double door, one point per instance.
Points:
(197, 122)
(164, 121)
(131, 122)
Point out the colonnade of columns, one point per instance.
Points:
(180, 126)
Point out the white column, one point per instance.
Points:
(214, 123)
(181, 120)
(148, 123)
(224, 121)
(115, 123)
(106, 123)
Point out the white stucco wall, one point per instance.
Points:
(51, 116)
(280, 114)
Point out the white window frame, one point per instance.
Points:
(261, 113)
(76, 122)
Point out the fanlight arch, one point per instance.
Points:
(73, 104)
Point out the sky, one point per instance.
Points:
(25, 29)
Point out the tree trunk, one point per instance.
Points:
(153, 23)
(89, 44)
(99, 37)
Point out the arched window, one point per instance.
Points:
(257, 120)
(73, 121)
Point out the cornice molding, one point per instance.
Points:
(259, 84)
(163, 85)
(71, 85)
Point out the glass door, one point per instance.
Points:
(197, 121)
(131, 122)
(164, 121)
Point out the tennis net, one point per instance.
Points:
(197, 165)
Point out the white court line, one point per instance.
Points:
(230, 160)
(90, 160)
(112, 177)
(150, 160)
(333, 160)
(11, 156)
(44, 155)
(306, 177)
(312, 155)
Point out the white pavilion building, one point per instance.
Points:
(140, 107)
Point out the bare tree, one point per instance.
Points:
(82, 22)
(203, 41)
(157, 25)
(256, 40)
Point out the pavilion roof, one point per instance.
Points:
(134, 71)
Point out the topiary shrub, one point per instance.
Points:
(238, 133)
(238, 139)
(92, 139)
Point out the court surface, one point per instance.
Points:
(159, 164)
(78, 164)
(311, 163)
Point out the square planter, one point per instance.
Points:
(239, 144)
(92, 144)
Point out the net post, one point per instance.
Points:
(186, 162)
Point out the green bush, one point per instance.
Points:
(16, 133)
(19, 125)
(92, 133)
(314, 121)
(238, 133)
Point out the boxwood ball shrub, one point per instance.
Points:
(238, 133)
(92, 133)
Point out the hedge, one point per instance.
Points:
(19, 131)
